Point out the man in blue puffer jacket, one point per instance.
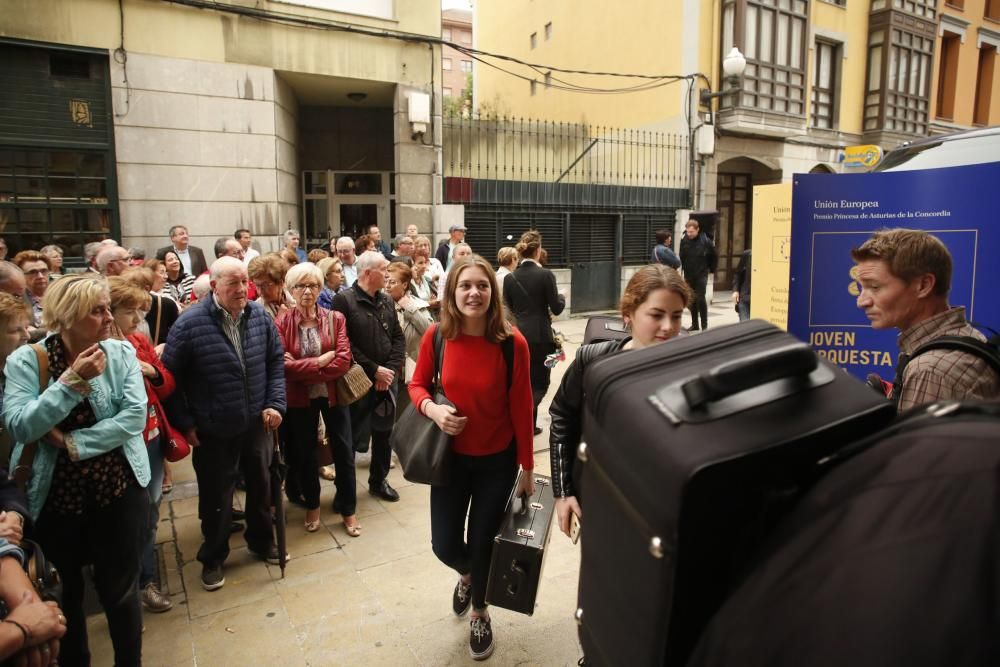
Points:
(229, 365)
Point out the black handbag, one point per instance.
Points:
(41, 573)
(424, 450)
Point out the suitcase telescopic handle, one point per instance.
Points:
(795, 360)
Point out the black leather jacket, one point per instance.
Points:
(372, 325)
(567, 415)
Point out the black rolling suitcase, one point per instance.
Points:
(601, 328)
(890, 559)
(519, 549)
(693, 449)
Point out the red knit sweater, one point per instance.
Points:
(474, 378)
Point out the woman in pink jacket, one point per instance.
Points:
(317, 352)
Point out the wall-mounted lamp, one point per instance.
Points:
(733, 66)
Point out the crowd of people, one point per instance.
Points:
(102, 369)
(105, 367)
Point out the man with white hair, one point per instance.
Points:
(202, 286)
(90, 251)
(293, 243)
(112, 260)
(228, 361)
(12, 280)
(345, 251)
(378, 345)
(403, 247)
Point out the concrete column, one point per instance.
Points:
(418, 180)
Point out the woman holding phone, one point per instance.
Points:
(652, 307)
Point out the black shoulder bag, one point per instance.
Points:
(423, 449)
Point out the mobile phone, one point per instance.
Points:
(574, 527)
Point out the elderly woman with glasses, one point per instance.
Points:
(317, 352)
(81, 436)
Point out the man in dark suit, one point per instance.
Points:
(530, 294)
(192, 258)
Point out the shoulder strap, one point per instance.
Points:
(438, 357)
(159, 312)
(592, 351)
(519, 285)
(23, 471)
(43, 365)
(507, 346)
(989, 353)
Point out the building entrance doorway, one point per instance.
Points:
(346, 203)
(732, 233)
(356, 219)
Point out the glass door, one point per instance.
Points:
(359, 200)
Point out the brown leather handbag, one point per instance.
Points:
(353, 385)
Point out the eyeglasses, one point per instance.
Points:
(310, 287)
(37, 272)
(265, 285)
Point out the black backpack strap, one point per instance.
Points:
(507, 345)
(438, 357)
(988, 352)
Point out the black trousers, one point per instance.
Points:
(109, 538)
(541, 376)
(301, 454)
(480, 488)
(217, 462)
(699, 307)
(372, 417)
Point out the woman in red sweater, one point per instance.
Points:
(491, 425)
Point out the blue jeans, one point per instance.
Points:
(155, 493)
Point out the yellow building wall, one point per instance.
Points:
(968, 66)
(641, 37)
(851, 22)
(172, 30)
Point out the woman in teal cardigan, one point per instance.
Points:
(89, 466)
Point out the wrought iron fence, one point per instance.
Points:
(527, 161)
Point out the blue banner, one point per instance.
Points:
(831, 214)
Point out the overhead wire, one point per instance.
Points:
(654, 80)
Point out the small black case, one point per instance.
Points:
(519, 549)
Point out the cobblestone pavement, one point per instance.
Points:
(380, 599)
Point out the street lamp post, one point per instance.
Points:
(733, 66)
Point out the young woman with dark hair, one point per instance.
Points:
(652, 307)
